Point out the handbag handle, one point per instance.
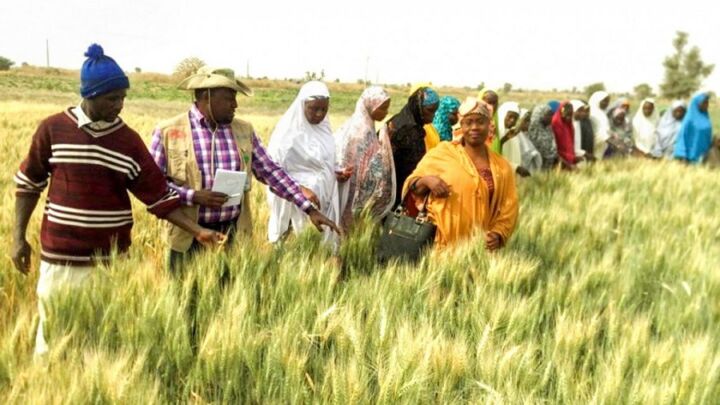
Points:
(422, 216)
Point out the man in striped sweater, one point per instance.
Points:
(90, 160)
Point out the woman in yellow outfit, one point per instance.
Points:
(469, 186)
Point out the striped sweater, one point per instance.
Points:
(89, 172)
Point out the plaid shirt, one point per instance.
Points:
(226, 157)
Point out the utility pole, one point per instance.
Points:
(247, 69)
(47, 52)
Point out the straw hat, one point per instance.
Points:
(211, 78)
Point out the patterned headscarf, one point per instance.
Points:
(531, 158)
(372, 184)
(472, 105)
(431, 97)
(542, 136)
(372, 98)
(360, 123)
(441, 122)
(417, 86)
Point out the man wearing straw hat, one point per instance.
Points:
(191, 147)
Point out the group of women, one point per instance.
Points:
(572, 133)
(348, 171)
(459, 160)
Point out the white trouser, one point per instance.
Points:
(54, 277)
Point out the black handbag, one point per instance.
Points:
(404, 237)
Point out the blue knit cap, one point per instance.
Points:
(100, 74)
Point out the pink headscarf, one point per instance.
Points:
(372, 183)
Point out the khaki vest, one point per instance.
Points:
(182, 169)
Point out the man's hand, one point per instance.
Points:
(318, 219)
(493, 241)
(205, 236)
(211, 199)
(24, 206)
(310, 195)
(21, 255)
(209, 238)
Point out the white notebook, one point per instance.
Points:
(231, 183)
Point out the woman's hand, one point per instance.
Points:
(510, 134)
(493, 241)
(566, 165)
(343, 175)
(522, 172)
(436, 186)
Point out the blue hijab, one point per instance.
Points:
(695, 135)
(441, 122)
(431, 97)
(554, 105)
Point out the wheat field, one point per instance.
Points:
(609, 292)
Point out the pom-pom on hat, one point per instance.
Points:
(100, 74)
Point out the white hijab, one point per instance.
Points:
(511, 148)
(644, 127)
(600, 122)
(579, 151)
(666, 132)
(307, 153)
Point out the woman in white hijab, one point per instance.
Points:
(303, 144)
(369, 159)
(579, 115)
(644, 124)
(599, 101)
(508, 120)
(667, 130)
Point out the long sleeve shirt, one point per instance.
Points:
(226, 157)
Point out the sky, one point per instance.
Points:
(530, 44)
